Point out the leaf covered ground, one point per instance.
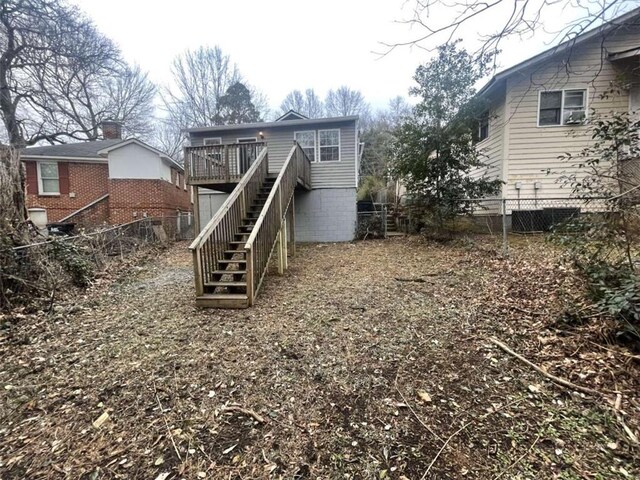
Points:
(369, 360)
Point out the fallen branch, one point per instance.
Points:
(553, 378)
(237, 408)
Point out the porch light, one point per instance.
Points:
(261, 135)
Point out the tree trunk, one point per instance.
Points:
(13, 224)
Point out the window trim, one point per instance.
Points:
(204, 141)
(488, 120)
(563, 90)
(41, 191)
(247, 139)
(319, 150)
(315, 142)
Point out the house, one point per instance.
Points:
(537, 109)
(111, 181)
(260, 187)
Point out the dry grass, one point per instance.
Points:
(357, 374)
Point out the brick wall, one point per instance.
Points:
(88, 181)
(130, 199)
(97, 214)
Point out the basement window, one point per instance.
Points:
(48, 178)
(562, 107)
(329, 145)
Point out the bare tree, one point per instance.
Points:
(439, 21)
(201, 77)
(307, 103)
(344, 101)
(54, 69)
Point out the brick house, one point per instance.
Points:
(111, 181)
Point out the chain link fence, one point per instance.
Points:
(499, 217)
(37, 270)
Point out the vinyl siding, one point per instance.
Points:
(532, 150)
(279, 140)
(491, 148)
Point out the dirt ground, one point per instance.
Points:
(369, 360)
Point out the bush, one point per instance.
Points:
(74, 262)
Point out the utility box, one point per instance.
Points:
(38, 217)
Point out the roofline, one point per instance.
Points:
(124, 143)
(63, 157)
(258, 125)
(291, 110)
(560, 48)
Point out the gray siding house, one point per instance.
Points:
(327, 211)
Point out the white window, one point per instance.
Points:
(307, 141)
(562, 107)
(212, 141)
(329, 145)
(177, 179)
(48, 178)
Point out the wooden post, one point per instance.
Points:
(196, 209)
(197, 272)
(285, 238)
(250, 272)
(292, 226)
(226, 163)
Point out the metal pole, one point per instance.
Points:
(505, 240)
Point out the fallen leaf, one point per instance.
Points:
(424, 396)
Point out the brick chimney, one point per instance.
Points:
(111, 130)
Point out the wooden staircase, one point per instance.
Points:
(232, 252)
(228, 286)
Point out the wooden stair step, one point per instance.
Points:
(224, 283)
(229, 272)
(236, 252)
(233, 260)
(223, 300)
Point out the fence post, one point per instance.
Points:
(505, 240)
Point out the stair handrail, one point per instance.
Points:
(209, 246)
(233, 196)
(282, 189)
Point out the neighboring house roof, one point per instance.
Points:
(259, 125)
(96, 150)
(80, 150)
(561, 48)
(291, 115)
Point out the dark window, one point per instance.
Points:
(550, 108)
(483, 127)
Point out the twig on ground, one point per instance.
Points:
(553, 378)
(175, 447)
(237, 408)
(429, 429)
(417, 280)
(527, 312)
(442, 449)
(518, 460)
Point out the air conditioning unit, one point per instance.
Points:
(576, 117)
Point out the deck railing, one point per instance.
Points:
(222, 163)
(262, 240)
(209, 246)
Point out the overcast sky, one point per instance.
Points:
(282, 45)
